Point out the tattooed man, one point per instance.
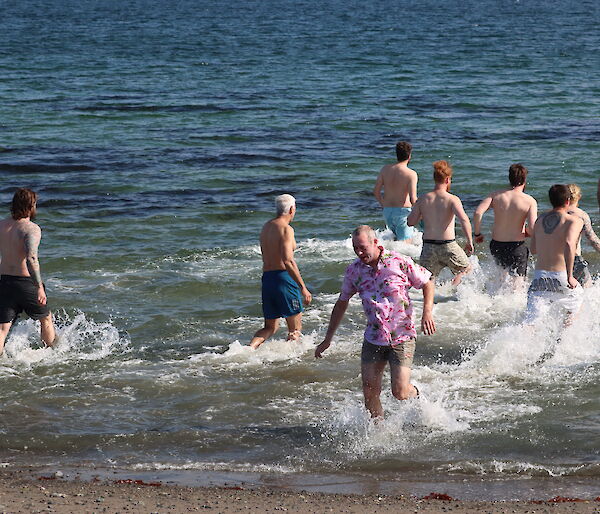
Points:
(554, 241)
(21, 286)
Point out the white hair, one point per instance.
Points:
(283, 204)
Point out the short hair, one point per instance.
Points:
(23, 203)
(517, 174)
(364, 229)
(283, 204)
(441, 171)
(559, 195)
(403, 150)
(575, 192)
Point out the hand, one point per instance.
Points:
(479, 238)
(306, 296)
(41, 296)
(427, 324)
(469, 248)
(320, 349)
(572, 282)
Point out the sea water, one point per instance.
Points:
(158, 135)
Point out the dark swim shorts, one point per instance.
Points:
(511, 255)
(18, 294)
(581, 271)
(280, 295)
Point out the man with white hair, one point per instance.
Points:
(382, 278)
(283, 290)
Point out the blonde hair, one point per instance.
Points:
(364, 229)
(575, 192)
(441, 171)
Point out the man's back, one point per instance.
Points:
(272, 238)
(552, 229)
(399, 183)
(12, 245)
(511, 210)
(437, 210)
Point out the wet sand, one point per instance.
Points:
(26, 492)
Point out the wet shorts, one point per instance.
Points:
(401, 354)
(511, 255)
(549, 289)
(436, 255)
(581, 271)
(395, 219)
(280, 295)
(18, 294)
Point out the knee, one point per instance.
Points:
(371, 388)
(402, 392)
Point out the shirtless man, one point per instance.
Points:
(21, 286)
(283, 290)
(554, 241)
(399, 183)
(514, 216)
(580, 268)
(438, 210)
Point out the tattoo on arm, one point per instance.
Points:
(590, 234)
(31, 252)
(550, 222)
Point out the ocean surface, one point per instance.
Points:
(158, 135)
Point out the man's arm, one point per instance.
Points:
(477, 217)
(532, 247)
(531, 217)
(463, 219)
(427, 323)
(378, 187)
(589, 233)
(573, 230)
(287, 253)
(337, 314)
(415, 215)
(31, 239)
(412, 189)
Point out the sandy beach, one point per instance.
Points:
(26, 492)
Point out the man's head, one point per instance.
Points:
(517, 174)
(575, 191)
(23, 204)
(559, 195)
(285, 204)
(365, 246)
(403, 151)
(442, 172)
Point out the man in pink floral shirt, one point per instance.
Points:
(382, 278)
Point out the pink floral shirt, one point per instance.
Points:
(384, 295)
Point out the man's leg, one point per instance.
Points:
(294, 324)
(48, 334)
(372, 374)
(271, 326)
(4, 328)
(459, 276)
(402, 389)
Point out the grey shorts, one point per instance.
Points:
(401, 354)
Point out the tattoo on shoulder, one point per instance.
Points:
(550, 221)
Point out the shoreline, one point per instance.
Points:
(29, 490)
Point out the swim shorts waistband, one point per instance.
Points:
(512, 244)
(439, 241)
(274, 272)
(14, 277)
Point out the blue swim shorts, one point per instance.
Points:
(395, 219)
(280, 295)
